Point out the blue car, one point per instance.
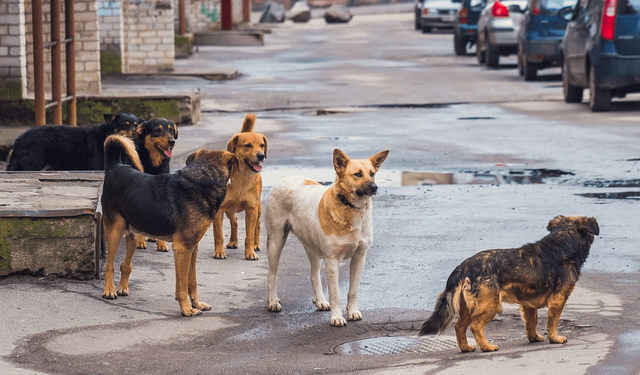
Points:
(541, 32)
(465, 29)
(601, 51)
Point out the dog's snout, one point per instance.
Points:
(171, 142)
(260, 156)
(372, 189)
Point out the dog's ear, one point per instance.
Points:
(378, 159)
(139, 131)
(192, 157)
(229, 159)
(555, 222)
(231, 145)
(109, 117)
(590, 225)
(248, 123)
(265, 146)
(175, 131)
(340, 161)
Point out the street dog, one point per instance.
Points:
(244, 192)
(332, 223)
(536, 275)
(175, 207)
(154, 141)
(68, 148)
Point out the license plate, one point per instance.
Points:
(448, 18)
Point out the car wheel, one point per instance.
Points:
(459, 45)
(599, 99)
(572, 94)
(426, 29)
(418, 24)
(493, 56)
(480, 55)
(530, 71)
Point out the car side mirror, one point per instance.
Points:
(515, 8)
(566, 13)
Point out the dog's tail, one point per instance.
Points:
(447, 308)
(114, 146)
(248, 123)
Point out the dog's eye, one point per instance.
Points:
(359, 174)
(248, 145)
(372, 174)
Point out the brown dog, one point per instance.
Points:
(540, 274)
(243, 192)
(176, 207)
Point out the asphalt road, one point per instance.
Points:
(370, 85)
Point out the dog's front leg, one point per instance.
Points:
(182, 260)
(113, 230)
(218, 238)
(193, 283)
(127, 265)
(251, 219)
(356, 266)
(332, 266)
(530, 317)
(318, 296)
(556, 304)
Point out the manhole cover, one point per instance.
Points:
(395, 345)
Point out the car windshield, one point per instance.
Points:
(635, 4)
(551, 7)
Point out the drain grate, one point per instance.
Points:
(395, 345)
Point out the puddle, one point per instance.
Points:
(613, 183)
(394, 345)
(386, 177)
(477, 118)
(619, 195)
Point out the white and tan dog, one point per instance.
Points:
(331, 223)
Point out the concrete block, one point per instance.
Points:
(229, 38)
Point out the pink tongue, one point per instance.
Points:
(169, 153)
(257, 167)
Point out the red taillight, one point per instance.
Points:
(425, 11)
(499, 10)
(535, 10)
(463, 15)
(608, 28)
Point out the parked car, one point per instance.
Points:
(465, 28)
(436, 13)
(541, 32)
(498, 28)
(601, 51)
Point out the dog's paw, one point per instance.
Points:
(536, 338)
(356, 315)
(141, 244)
(338, 322)
(200, 306)
(123, 292)
(321, 305)
(109, 295)
(251, 256)
(232, 245)
(162, 246)
(275, 306)
(489, 348)
(467, 348)
(257, 248)
(151, 239)
(219, 255)
(557, 339)
(190, 312)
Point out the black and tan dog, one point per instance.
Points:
(175, 207)
(244, 192)
(536, 275)
(68, 148)
(154, 140)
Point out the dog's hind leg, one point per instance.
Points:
(113, 229)
(218, 237)
(332, 269)
(127, 265)
(485, 308)
(193, 283)
(182, 257)
(256, 241)
(251, 219)
(356, 266)
(318, 296)
(277, 233)
(530, 317)
(233, 237)
(556, 304)
(461, 327)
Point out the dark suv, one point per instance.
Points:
(465, 29)
(540, 35)
(601, 51)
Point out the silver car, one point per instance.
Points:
(438, 14)
(498, 29)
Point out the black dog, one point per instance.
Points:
(536, 275)
(177, 207)
(68, 148)
(154, 140)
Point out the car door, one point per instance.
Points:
(575, 49)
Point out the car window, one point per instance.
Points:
(551, 7)
(635, 4)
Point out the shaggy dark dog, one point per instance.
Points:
(177, 207)
(68, 148)
(536, 275)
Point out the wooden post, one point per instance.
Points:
(69, 26)
(227, 14)
(38, 61)
(56, 62)
(182, 17)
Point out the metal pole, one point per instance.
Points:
(183, 18)
(38, 61)
(56, 64)
(69, 26)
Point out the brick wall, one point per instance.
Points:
(111, 30)
(13, 63)
(202, 15)
(86, 45)
(149, 44)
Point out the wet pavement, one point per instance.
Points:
(515, 156)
